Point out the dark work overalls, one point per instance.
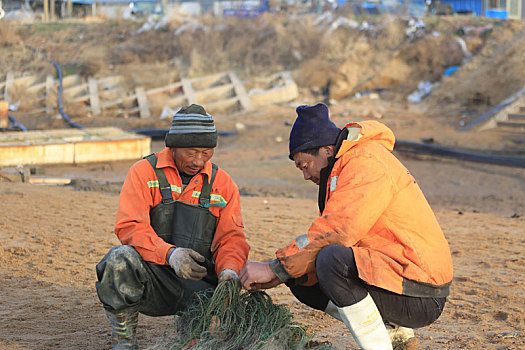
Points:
(128, 283)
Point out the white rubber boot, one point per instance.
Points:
(402, 338)
(366, 325)
(333, 310)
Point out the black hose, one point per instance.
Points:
(21, 127)
(512, 160)
(59, 72)
(154, 133)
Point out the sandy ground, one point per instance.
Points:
(51, 238)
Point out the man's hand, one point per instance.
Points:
(228, 274)
(184, 262)
(257, 275)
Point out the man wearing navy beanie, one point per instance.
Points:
(375, 258)
(312, 129)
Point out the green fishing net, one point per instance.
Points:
(229, 319)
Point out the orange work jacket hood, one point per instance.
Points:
(369, 131)
(374, 206)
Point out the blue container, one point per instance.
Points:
(466, 6)
(493, 13)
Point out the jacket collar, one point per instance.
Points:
(362, 132)
(165, 159)
(325, 172)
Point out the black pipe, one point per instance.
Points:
(512, 160)
(59, 72)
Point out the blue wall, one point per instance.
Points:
(476, 6)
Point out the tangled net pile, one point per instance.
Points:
(232, 320)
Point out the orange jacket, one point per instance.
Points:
(140, 193)
(375, 206)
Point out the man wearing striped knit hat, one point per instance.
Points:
(179, 221)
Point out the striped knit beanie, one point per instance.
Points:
(192, 127)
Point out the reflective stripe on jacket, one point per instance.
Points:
(140, 193)
(374, 205)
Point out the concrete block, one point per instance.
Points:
(71, 146)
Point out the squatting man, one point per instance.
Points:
(375, 258)
(179, 221)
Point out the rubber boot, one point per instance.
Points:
(402, 338)
(366, 325)
(333, 310)
(123, 329)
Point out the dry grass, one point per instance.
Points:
(8, 35)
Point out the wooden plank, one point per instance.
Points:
(278, 93)
(142, 102)
(35, 88)
(168, 88)
(223, 104)
(112, 93)
(240, 91)
(49, 180)
(74, 90)
(216, 93)
(108, 104)
(52, 10)
(25, 80)
(82, 98)
(94, 101)
(188, 91)
(8, 85)
(209, 81)
(49, 86)
(71, 80)
(46, 10)
(112, 80)
(177, 101)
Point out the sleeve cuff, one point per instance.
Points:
(279, 270)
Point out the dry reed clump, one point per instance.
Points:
(228, 319)
(263, 44)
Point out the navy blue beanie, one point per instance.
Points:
(312, 129)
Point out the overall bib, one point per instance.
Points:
(184, 224)
(128, 283)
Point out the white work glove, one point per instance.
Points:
(229, 274)
(184, 262)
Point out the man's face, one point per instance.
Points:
(311, 165)
(191, 160)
